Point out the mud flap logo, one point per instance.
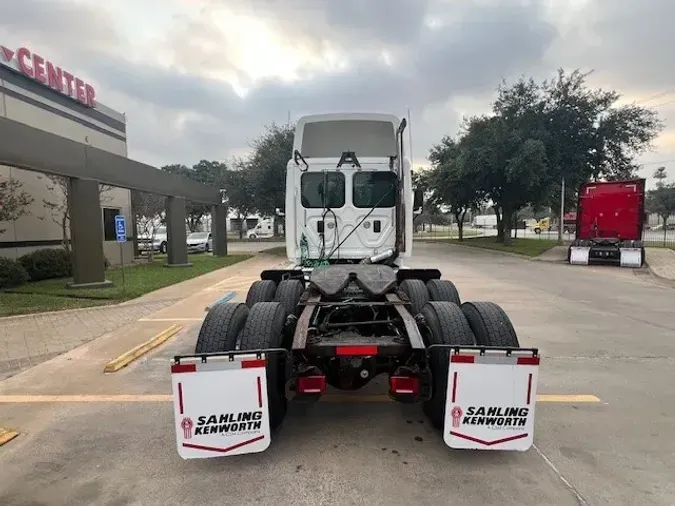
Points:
(187, 425)
(456, 415)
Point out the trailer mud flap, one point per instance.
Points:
(579, 255)
(630, 257)
(220, 406)
(491, 399)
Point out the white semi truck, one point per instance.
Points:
(347, 310)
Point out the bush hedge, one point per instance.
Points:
(47, 264)
(12, 273)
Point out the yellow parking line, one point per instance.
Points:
(331, 398)
(6, 435)
(125, 359)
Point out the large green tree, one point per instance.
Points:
(240, 191)
(271, 153)
(449, 184)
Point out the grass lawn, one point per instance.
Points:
(527, 247)
(52, 294)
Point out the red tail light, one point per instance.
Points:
(356, 351)
(311, 385)
(404, 385)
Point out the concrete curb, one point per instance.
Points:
(125, 359)
(505, 253)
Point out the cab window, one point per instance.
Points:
(375, 189)
(319, 190)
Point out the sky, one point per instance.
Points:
(200, 79)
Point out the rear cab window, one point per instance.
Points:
(319, 190)
(374, 189)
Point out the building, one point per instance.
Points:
(41, 94)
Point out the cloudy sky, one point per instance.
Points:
(201, 78)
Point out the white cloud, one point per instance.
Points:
(200, 78)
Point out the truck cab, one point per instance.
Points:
(349, 193)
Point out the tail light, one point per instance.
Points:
(311, 384)
(404, 385)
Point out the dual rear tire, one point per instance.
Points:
(472, 323)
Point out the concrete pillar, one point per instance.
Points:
(176, 237)
(219, 230)
(86, 234)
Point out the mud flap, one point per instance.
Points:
(630, 257)
(491, 399)
(220, 406)
(579, 255)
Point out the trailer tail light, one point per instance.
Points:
(355, 351)
(404, 385)
(311, 384)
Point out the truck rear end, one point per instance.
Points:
(610, 219)
(347, 311)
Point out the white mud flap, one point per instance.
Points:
(220, 406)
(490, 400)
(579, 255)
(630, 257)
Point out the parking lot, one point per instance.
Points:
(604, 419)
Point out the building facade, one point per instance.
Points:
(41, 94)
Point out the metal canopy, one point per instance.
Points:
(29, 148)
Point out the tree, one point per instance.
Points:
(660, 175)
(450, 186)
(662, 202)
(240, 191)
(271, 153)
(206, 172)
(14, 201)
(149, 209)
(58, 206)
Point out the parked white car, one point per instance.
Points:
(200, 242)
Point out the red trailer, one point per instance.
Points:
(610, 218)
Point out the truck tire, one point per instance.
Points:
(447, 325)
(490, 324)
(264, 329)
(262, 290)
(288, 293)
(417, 292)
(442, 289)
(221, 328)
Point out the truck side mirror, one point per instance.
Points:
(418, 201)
(279, 212)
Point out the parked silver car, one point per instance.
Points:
(199, 242)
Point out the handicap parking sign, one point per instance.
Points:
(120, 228)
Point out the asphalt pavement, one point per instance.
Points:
(602, 331)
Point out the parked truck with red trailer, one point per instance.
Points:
(347, 310)
(609, 225)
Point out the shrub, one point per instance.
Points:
(47, 264)
(12, 273)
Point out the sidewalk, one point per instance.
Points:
(28, 340)
(661, 262)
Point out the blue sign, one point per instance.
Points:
(120, 228)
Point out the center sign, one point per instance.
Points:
(34, 66)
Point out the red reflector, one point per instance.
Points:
(462, 359)
(356, 351)
(311, 384)
(183, 368)
(248, 364)
(404, 385)
(528, 360)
